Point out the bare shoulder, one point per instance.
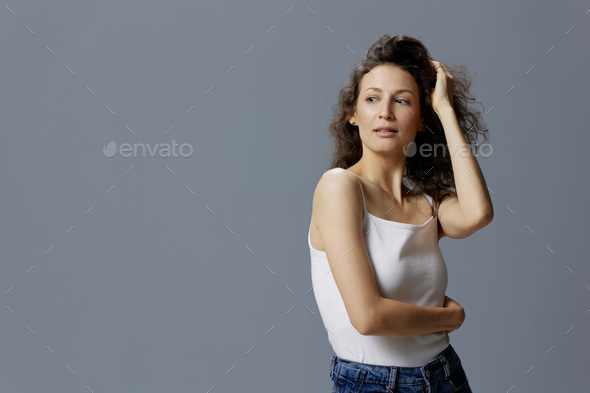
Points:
(337, 191)
(338, 173)
(336, 180)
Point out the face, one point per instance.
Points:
(388, 96)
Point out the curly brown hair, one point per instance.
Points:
(434, 174)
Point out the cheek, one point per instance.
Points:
(411, 120)
(363, 111)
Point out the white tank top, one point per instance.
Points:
(409, 267)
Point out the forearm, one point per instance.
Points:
(394, 318)
(472, 193)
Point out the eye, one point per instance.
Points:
(401, 99)
(370, 98)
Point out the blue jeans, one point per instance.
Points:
(444, 374)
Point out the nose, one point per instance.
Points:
(386, 111)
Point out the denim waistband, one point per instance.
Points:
(438, 368)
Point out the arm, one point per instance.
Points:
(470, 209)
(337, 204)
(399, 319)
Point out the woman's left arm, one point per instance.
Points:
(470, 209)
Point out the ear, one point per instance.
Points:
(421, 126)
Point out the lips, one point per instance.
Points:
(385, 128)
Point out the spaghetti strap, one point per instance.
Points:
(429, 198)
(362, 193)
(431, 201)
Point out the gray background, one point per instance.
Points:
(192, 274)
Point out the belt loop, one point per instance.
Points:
(332, 365)
(392, 379)
(446, 366)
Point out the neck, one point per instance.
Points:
(387, 173)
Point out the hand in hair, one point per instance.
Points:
(442, 94)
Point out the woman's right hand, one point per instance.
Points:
(458, 313)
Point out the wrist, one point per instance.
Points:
(443, 108)
(453, 317)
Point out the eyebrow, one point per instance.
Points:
(397, 91)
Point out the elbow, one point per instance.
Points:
(483, 219)
(363, 328)
(487, 217)
(490, 214)
(367, 323)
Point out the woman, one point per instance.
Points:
(378, 274)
